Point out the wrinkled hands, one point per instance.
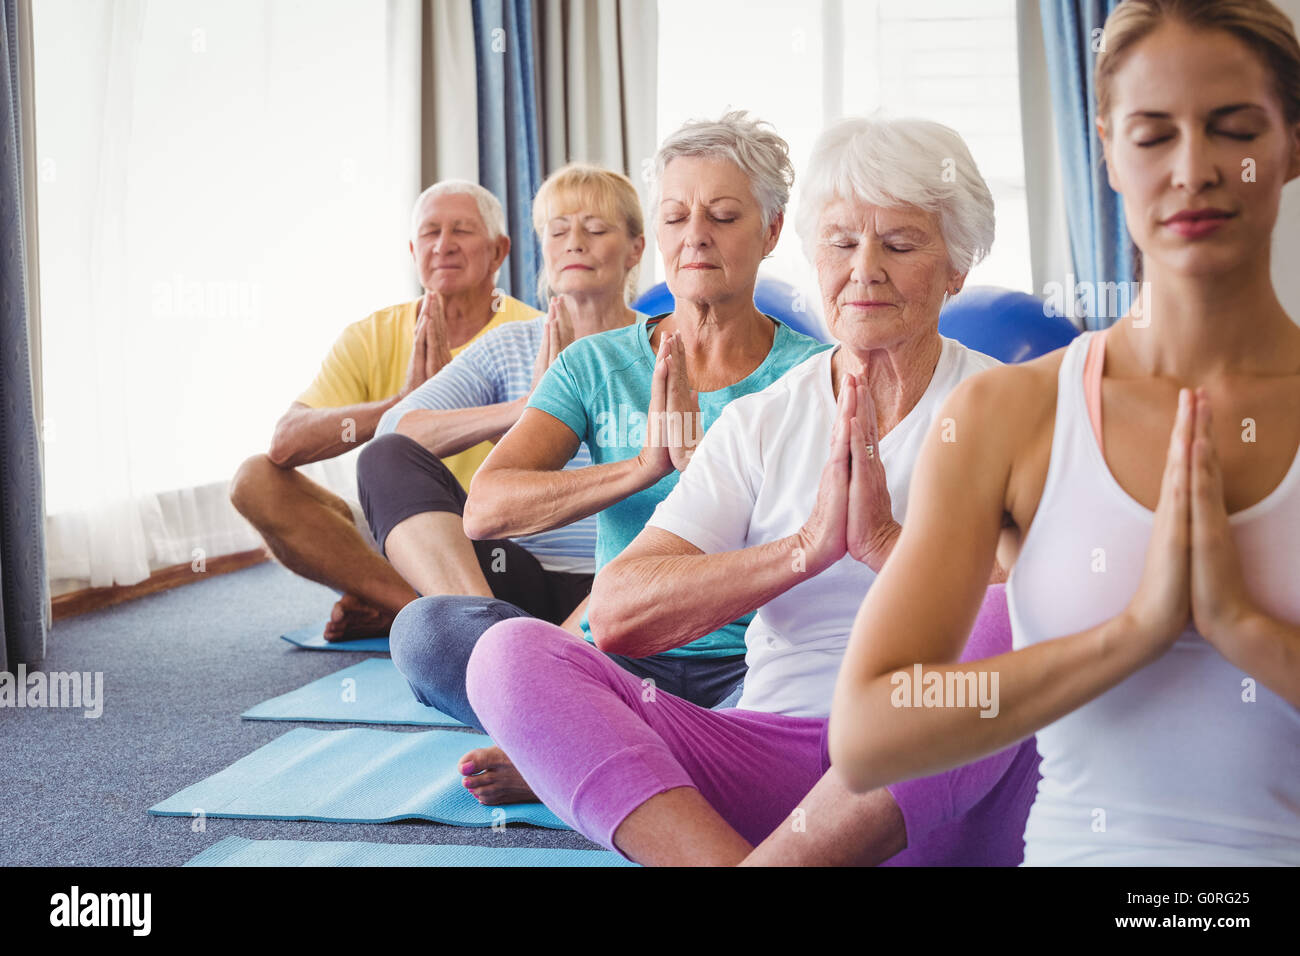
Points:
(557, 334)
(673, 426)
(431, 351)
(853, 513)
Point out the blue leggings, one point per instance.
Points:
(432, 638)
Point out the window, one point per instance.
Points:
(800, 65)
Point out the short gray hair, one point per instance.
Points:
(894, 162)
(762, 155)
(489, 207)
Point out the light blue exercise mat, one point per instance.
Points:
(372, 692)
(238, 851)
(356, 775)
(313, 639)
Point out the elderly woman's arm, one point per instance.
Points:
(522, 489)
(523, 486)
(705, 590)
(663, 591)
(452, 430)
(923, 604)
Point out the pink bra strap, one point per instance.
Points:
(1093, 364)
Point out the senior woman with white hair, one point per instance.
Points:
(791, 506)
(722, 187)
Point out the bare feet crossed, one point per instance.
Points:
(493, 779)
(353, 618)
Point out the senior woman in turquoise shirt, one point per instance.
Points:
(721, 192)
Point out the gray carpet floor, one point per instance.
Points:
(179, 668)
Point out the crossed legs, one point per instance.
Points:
(659, 779)
(310, 530)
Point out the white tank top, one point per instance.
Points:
(1188, 761)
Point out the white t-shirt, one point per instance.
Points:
(753, 479)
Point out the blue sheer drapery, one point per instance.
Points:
(509, 150)
(1099, 243)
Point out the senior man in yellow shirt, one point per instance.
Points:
(458, 242)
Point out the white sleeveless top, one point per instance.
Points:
(1188, 761)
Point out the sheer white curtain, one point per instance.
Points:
(449, 101)
(224, 185)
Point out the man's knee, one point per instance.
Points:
(251, 486)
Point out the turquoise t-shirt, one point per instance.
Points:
(600, 387)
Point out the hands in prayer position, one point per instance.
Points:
(432, 350)
(557, 334)
(853, 514)
(1192, 569)
(673, 426)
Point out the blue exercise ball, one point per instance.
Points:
(772, 296)
(1010, 326)
(656, 300)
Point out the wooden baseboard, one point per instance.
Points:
(92, 599)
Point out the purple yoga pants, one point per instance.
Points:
(594, 744)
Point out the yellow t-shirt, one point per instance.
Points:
(368, 361)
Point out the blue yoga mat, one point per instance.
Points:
(238, 851)
(372, 692)
(313, 639)
(356, 775)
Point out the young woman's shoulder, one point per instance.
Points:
(1013, 395)
(1007, 415)
(1009, 411)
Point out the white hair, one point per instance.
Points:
(895, 162)
(762, 155)
(489, 207)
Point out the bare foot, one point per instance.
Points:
(353, 617)
(493, 779)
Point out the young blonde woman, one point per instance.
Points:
(1151, 475)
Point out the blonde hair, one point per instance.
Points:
(1257, 23)
(583, 186)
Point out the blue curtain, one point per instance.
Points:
(22, 525)
(1099, 242)
(509, 151)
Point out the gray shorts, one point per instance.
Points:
(363, 526)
